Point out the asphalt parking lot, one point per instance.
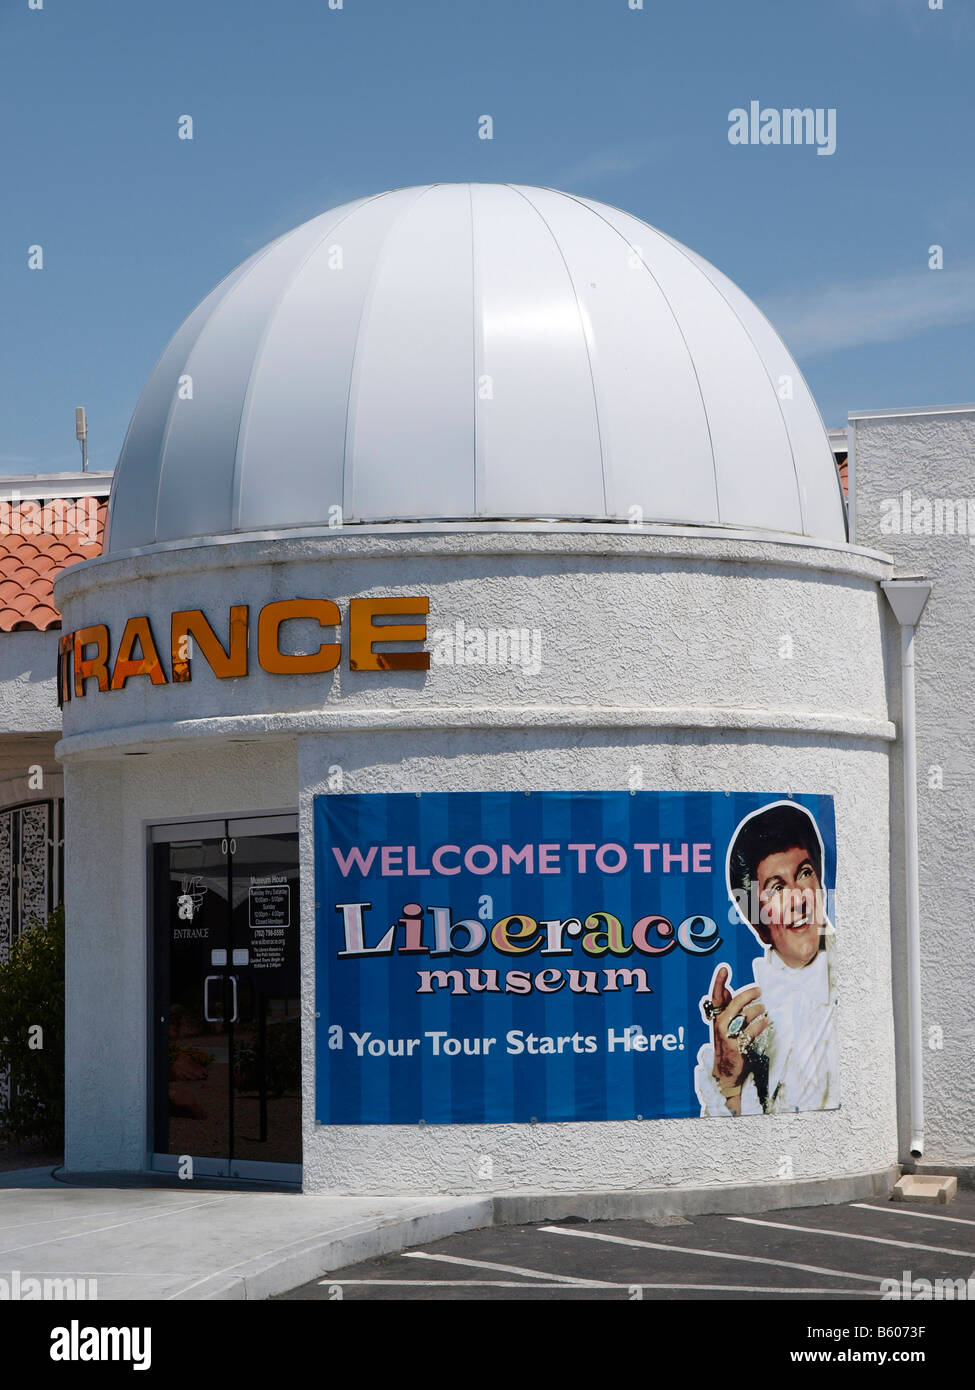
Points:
(817, 1253)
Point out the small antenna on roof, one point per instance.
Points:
(81, 433)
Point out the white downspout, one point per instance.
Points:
(907, 598)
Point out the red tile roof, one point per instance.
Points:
(37, 542)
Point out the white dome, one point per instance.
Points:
(463, 352)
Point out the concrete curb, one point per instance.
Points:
(266, 1276)
(274, 1273)
(651, 1203)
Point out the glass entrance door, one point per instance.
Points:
(226, 996)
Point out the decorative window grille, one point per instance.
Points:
(31, 874)
(31, 856)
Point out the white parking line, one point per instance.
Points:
(851, 1235)
(513, 1269)
(335, 1234)
(710, 1254)
(445, 1283)
(520, 1284)
(898, 1209)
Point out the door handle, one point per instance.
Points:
(210, 1018)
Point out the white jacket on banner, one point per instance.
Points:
(802, 1046)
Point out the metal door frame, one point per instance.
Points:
(158, 832)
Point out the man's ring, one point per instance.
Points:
(736, 1025)
(710, 1008)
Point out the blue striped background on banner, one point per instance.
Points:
(376, 994)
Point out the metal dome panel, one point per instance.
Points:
(472, 352)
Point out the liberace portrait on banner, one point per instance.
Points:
(773, 1046)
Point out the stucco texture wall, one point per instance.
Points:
(642, 622)
(28, 694)
(108, 804)
(930, 456)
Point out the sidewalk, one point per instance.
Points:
(142, 1241)
(153, 1243)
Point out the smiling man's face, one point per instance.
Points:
(791, 905)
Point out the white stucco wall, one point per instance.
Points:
(30, 721)
(621, 625)
(108, 804)
(931, 454)
(667, 652)
(28, 689)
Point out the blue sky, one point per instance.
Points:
(298, 107)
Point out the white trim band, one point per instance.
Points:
(534, 717)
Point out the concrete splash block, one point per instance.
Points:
(924, 1187)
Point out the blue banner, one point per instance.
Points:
(488, 957)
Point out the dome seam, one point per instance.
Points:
(236, 481)
(670, 308)
(476, 319)
(585, 338)
(764, 365)
(368, 295)
(253, 261)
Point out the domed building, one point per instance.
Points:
(477, 570)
